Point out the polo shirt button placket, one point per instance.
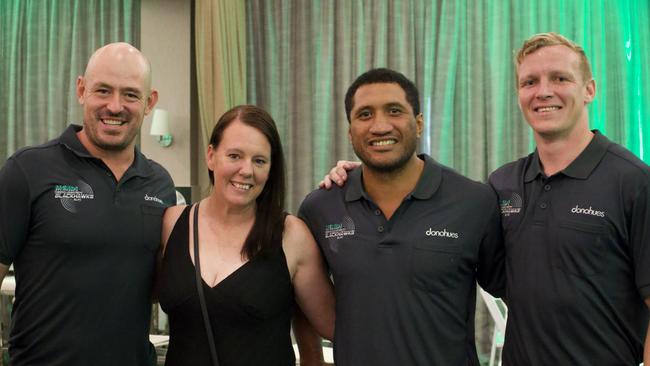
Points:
(380, 228)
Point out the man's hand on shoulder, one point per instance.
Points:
(338, 174)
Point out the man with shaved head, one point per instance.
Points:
(80, 219)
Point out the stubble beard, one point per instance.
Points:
(120, 145)
(390, 166)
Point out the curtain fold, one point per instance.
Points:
(302, 56)
(220, 35)
(44, 46)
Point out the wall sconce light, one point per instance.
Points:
(160, 127)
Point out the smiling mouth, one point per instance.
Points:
(245, 187)
(547, 109)
(112, 122)
(383, 142)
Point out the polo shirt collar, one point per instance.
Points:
(427, 185)
(140, 166)
(70, 140)
(581, 167)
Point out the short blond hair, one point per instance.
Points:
(542, 40)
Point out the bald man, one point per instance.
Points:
(80, 219)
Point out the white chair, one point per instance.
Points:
(499, 312)
(159, 340)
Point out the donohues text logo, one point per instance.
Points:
(587, 211)
(442, 233)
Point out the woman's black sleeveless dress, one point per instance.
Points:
(250, 310)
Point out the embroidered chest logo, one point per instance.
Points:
(442, 233)
(71, 196)
(338, 231)
(511, 206)
(152, 198)
(587, 211)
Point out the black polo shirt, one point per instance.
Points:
(83, 247)
(578, 259)
(406, 287)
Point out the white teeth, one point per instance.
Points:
(383, 142)
(242, 186)
(547, 109)
(112, 122)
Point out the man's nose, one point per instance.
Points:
(381, 125)
(544, 90)
(115, 104)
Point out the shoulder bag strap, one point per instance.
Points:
(199, 289)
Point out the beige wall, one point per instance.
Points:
(165, 37)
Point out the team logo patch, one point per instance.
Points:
(511, 206)
(338, 231)
(71, 196)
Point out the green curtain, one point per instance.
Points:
(302, 55)
(44, 46)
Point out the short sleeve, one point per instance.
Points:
(169, 193)
(15, 210)
(491, 268)
(640, 240)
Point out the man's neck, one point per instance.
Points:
(117, 161)
(556, 154)
(388, 189)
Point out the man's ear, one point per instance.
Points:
(81, 88)
(151, 101)
(419, 124)
(590, 91)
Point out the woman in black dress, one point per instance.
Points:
(255, 259)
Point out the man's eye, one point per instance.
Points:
(233, 156)
(102, 91)
(394, 111)
(132, 96)
(364, 115)
(528, 82)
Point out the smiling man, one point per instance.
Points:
(576, 223)
(405, 239)
(80, 219)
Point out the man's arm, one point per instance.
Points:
(646, 348)
(15, 213)
(338, 174)
(491, 274)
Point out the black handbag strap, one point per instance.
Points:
(199, 289)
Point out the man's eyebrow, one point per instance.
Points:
(124, 89)
(102, 85)
(395, 104)
(362, 107)
(132, 89)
